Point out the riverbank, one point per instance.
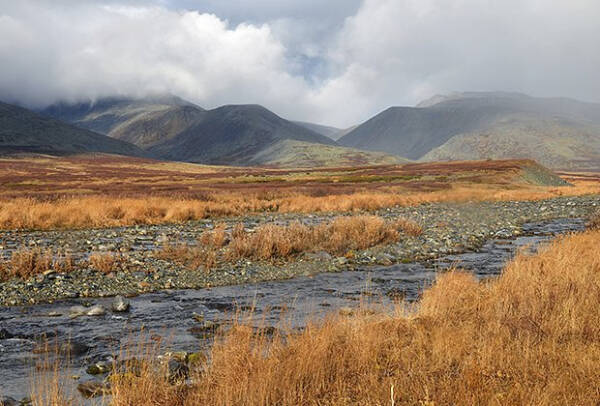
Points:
(447, 229)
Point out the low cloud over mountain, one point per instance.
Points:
(308, 61)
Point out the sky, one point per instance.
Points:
(334, 62)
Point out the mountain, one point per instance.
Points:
(171, 128)
(232, 135)
(24, 131)
(558, 132)
(298, 154)
(144, 122)
(325, 130)
(331, 132)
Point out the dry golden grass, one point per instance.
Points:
(96, 211)
(270, 241)
(106, 262)
(27, 262)
(529, 337)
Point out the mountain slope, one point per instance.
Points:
(556, 143)
(143, 122)
(22, 130)
(558, 132)
(298, 154)
(412, 132)
(331, 132)
(232, 135)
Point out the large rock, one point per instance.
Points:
(177, 370)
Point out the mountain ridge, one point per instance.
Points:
(452, 127)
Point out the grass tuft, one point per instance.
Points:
(270, 241)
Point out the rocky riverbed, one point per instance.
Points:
(448, 229)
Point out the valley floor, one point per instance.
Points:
(530, 336)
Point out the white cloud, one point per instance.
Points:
(303, 64)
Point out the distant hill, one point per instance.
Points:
(232, 135)
(557, 132)
(331, 132)
(24, 131)
(298, 154)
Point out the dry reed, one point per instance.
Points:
(270, 241)
(28, 262)
(98, 211)
(106, 263)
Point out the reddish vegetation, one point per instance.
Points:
(105, 191)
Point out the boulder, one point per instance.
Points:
(120, 305)
(96, 311)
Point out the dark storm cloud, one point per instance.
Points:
(335, 62)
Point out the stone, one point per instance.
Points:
(96, 311)
(74, 348)
(177, 371)
(5, 335)
(93, 389)
(99, 368)
(76, 311)
(319, 256)
(8, 401)
(120, 305)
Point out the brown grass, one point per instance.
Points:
(28, 262)
(106, 263)
(529, 337)
(270, 241)
(95, 211)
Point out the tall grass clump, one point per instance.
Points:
(28, 262)
(271, 241)
(111, 211)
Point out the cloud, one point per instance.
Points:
(336, 64)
